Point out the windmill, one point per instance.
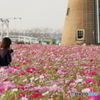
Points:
(82, 22)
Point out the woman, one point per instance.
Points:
(5, 52)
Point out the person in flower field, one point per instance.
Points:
(5, 52)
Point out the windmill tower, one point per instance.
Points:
(81, 22)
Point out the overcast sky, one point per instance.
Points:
(34, 13)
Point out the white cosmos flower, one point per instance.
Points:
(41, 76)
(86, 90)
(1, 69)
(50, 99)
(66, 81)
(45, 93)
(2, 96)
(36, 79)
(54, 85)
(25, 80)
(24, 98)
(79, 80)
(13, 90)
(32, 78)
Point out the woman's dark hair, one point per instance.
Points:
(6, 42)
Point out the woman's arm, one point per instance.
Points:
(11, 50)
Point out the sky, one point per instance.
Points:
(34, 13)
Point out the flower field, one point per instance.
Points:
(51, 72)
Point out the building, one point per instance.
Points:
(82, 23)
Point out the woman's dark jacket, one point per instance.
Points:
(5, 57)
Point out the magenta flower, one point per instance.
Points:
(87, 71)
(50, 71)
(93, 73)
(22, 72)
(24, 62)
(92, 60)
(79, 98)
(35, 95)
(30, 69)
(89, 80)
(93, 97)
(6, 79)
(11, 71)
(21, 95)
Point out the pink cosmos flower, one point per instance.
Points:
(15, 67)
(74, 89)
(89, 80)
(30, 69)
(59, 72)
(11, 71)
(22, 72)
(1, 91)
(24, 62)
(87, 71)
(93, 97)
(6, 85)
(93, 73)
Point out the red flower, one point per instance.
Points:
(79, 98)
(20, 86)
(40, 71)
(35, 95)
(21, 95)
(5, 79)
(91, 60)
(71, 81)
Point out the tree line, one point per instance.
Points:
(39, 33)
